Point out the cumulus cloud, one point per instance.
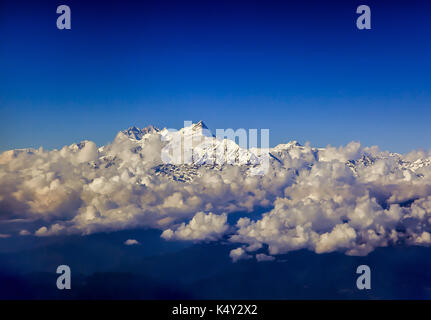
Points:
(239, 254)
(24, 233)
(131, 242)
(350, 199)
(201, 227)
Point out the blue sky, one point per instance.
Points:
(299, 68)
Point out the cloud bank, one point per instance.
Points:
(350, 199)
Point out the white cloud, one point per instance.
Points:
(131, 242)
(24, 233)
(202, 227)
(342, 236)
(239, 254)
(42, 231)
(349, 199)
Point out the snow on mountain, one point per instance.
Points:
(208, 151)
(193, 145)
(135, 133)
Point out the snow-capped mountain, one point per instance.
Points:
(137, 134)
(194, 145)
(212, 152)
(209, 152)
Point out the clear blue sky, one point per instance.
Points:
(299, 68)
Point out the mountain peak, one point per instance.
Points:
(133, 128)
(150, 129)
(137, 134)
(200, 125)
(294, 143)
